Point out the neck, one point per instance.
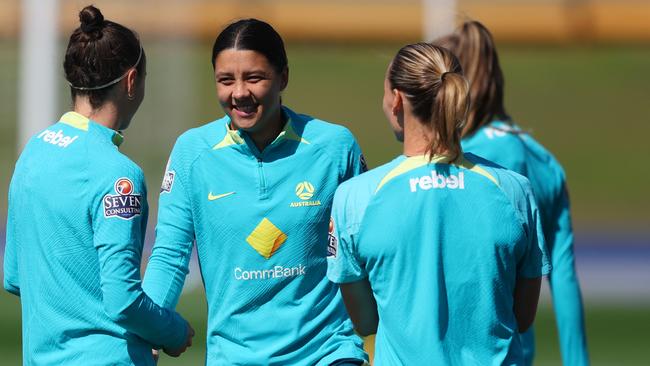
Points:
(107, 115)
(265, 136)
(417, 137)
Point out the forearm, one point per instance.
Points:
(157, 325)
(166, 272)
(567, 302)
(526, 298)
(361, 306)
(126, 303)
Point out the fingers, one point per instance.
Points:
(155, 354)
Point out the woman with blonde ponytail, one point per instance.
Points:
(440, 253)
(491, 133)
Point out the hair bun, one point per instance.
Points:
(91, 19)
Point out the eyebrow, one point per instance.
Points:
(252, 72)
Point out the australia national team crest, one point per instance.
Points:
(332, 241)
(126, 203)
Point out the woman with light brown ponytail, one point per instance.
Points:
(491, 133)
(440, 253)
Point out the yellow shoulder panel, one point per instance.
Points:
(415, 162)
(75, 120)
(231, 138)
(409, 164)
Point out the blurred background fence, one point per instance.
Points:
(576, 77)
(369, 20)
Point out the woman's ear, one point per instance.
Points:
(131, 80)
(398, 104)
(284, 79)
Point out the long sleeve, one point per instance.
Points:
(119, 223)
(169, 262)
(567, 299)
(11, 277)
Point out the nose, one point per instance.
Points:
(240, 91)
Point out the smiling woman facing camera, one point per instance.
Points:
(77, 218)
(254, 190)
(439, 252)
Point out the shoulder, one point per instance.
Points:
(505, 178)
(320, 132)
(365, 185)
(193, 142)
(540, 156)
(204, 136)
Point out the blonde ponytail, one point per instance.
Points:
(431, 79)
(449, 113)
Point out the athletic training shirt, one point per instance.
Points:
(514, 149)
(76, 224)
(442, 246)
(260, 222)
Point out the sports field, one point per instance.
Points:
(616, 335)
(588, 104)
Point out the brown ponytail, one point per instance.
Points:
(474, 46)
(431, 79)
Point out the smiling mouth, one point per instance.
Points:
(245, 110)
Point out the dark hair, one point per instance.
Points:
(431, 79)
(253, 35)
(474, 46)
(100, 52)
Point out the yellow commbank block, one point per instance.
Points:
(266, 238)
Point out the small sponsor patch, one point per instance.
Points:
(168, 181)
(125, 204)
(364, 166)
(332, 241)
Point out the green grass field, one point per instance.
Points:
(616, 335)
(589, 105)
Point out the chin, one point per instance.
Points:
(246, 125)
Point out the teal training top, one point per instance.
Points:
(260, 223)
(442, 246)
(75, 230)
(516, 150)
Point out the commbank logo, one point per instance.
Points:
(266, 238)
(437, 181)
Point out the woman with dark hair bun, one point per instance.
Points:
(77, 218)
(254, 191)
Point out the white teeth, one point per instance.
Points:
(247, 108)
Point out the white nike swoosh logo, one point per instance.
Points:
(212, 197)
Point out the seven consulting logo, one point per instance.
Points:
(332, 240)
(125, 204)
(305, 191)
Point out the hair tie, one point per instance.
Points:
(442, 76)
(110, 82)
